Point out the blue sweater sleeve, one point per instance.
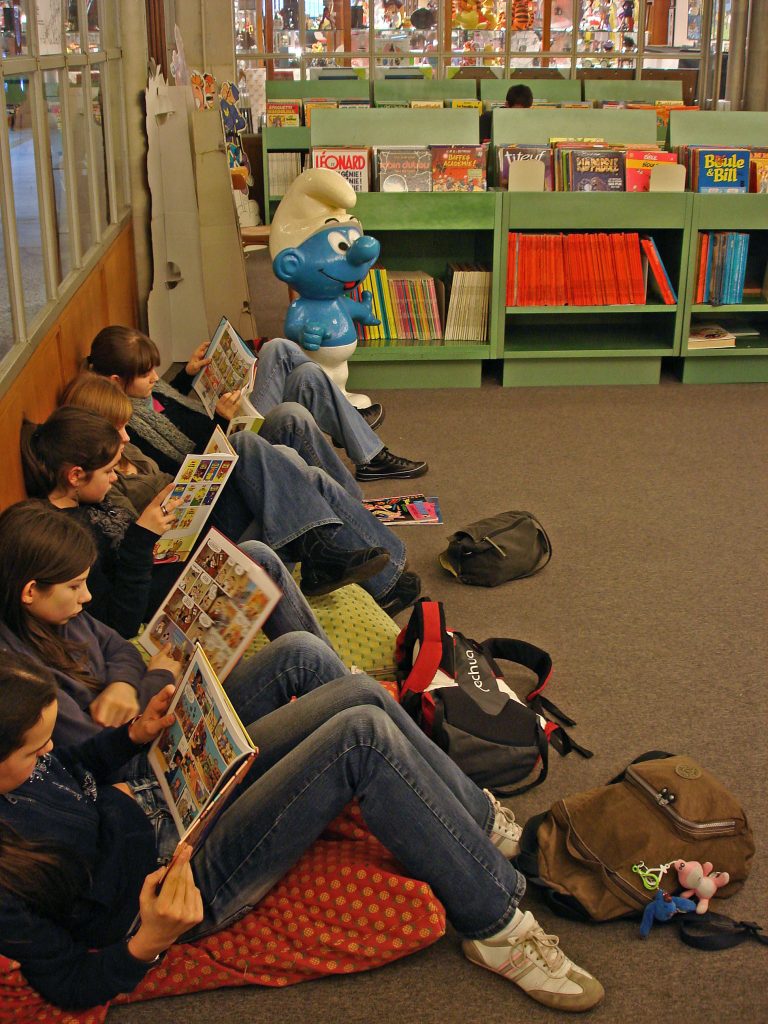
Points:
(123, 663)
(63, 970)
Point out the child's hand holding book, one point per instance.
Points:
(169, 905)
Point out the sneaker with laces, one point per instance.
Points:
(524, 954)
(387, 466)
(373, 415)
(505, 832)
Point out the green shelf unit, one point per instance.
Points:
(555, 89)
(748, 361)
(717, 128)
(427, 89)
(393, 126)
(539, 126)
(594, 344)
(643, 91)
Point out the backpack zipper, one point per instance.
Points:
(725, 827)
(582, 847)
(487, 537)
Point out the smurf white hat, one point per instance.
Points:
(314, 200)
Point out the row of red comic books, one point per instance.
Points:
(585, 269)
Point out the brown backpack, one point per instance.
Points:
(661, 809)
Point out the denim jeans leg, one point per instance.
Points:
(292, 611)
(361, 529)
(268, 498)
(287, 374)
(288, 667)
(348, 740)
(291, 425)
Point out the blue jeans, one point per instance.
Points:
(275, 497)
(349, 740)
(286, 373)
(292, 611)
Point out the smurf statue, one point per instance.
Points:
(320, 250)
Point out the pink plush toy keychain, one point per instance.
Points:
(701, 881)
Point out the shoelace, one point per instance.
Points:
(545, 946)
(393, 460)
(505, 819)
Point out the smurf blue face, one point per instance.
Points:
(328, 263)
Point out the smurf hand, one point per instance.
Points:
(312, 337)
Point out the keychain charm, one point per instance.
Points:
(651, 877)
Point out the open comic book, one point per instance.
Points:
(220, 601)
(405, 509)
(198, 483)
(231, 368)
(201, 757)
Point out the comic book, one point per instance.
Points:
(198, 483)
(351, 162)
(283, 113)
(459, 168)
(596, 170)
(405, 509)
(200, 758)
(403, 169)
(231, 367)
(220, 601)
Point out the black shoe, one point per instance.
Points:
(404, 593)
(373, 415)
(321, 576)
(386, 466)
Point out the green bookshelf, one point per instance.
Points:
(421, 231)
(556, 89)
(389, 89)
(748, 361)
(281, 140)
(554, 345)
(537, 126)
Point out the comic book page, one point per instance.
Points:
(198, 484)
(220, 601)
(405, 509)
(195, 757)
(230, 369)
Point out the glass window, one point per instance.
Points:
(79, 136)
(27, 211)
(6, 325)
(94, 8)
(63, 256)
(606, 29)
(50, 26)
(115, 71)
(72, 27)
(13, 28)
(99, 147)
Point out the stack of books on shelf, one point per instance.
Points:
(430, 168)
(283, 167)
(586, 165)
(722, 267)
(407, 304)
(467, 318)
(705, 336)
(584, 269)
(294, 113)
(351, 162)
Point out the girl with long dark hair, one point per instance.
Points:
(79, 858)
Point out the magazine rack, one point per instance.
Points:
(748, 361)
(421, 231)
(590, 344)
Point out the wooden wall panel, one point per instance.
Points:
(108, 295)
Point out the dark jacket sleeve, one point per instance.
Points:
(120, 582)
(102, 754)
(123, 663)
(198, 423)
(63, 970)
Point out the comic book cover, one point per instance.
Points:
(283, 113)
(220, 601)
(596, 170)
(459, 168)
(509, 154)
(403, 169)
(720, 170)
(352, 162)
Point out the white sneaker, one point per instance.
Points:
(505, 833)
(534, 961)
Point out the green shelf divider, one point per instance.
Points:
(539, 125)
(542, 88)
(717, 128)
(281, 139)
(426, 89)
(428, 211)
(327, 88)
(392, 126)
(643, 91)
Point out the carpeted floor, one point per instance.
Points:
(654, 611)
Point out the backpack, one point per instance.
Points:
(508, 546)
(453, 687)
(591, 852)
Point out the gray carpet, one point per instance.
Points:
(654, 611)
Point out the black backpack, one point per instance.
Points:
(453, 687)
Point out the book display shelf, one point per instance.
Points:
(748, 360)
(429, 89)
(644, 91)
(555, 89)
(296, 140)
(591, 344)
(421, 231)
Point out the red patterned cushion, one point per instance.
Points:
(343, 908)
